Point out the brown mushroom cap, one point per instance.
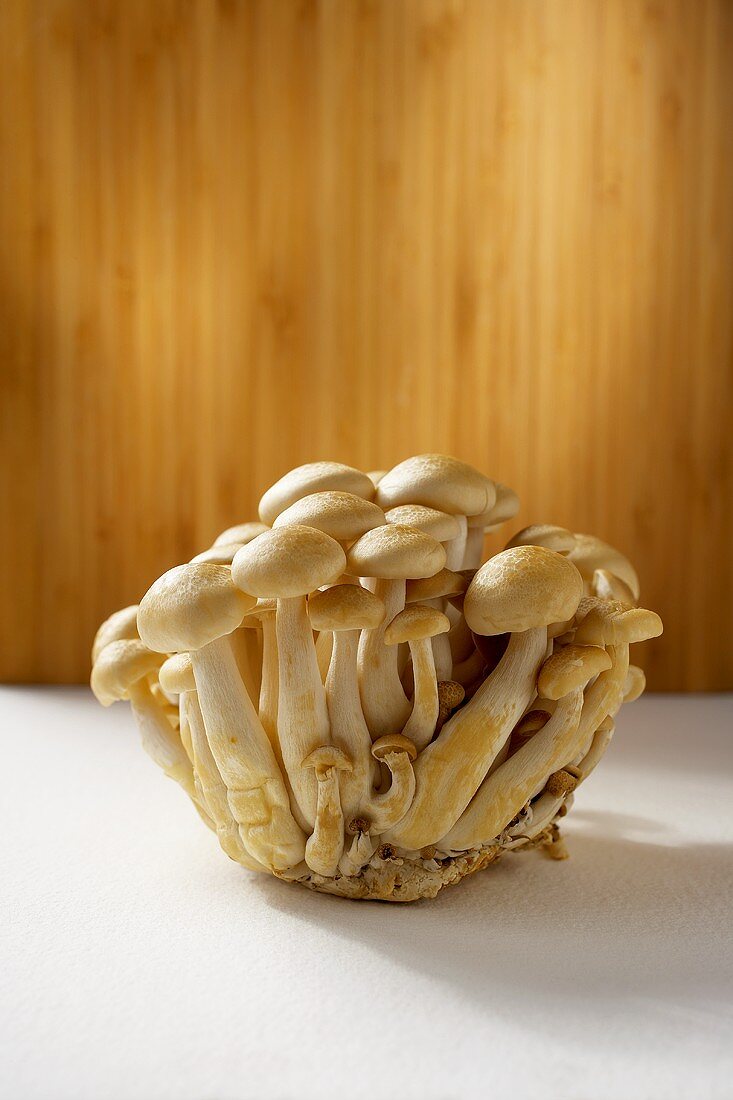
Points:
(220, 553)
(343, 516)
(345, 607)
(444, 583)
(241, 533)
(326, 757)
(440, 525)
(119, 626)
(615, 624)
(391, 743)
(395, 552)
(176, 674)
(570, 667)
(121, 664)
(544, 534)
(190, 606)
(415, 622)
(437, 481)
(288, 561)
(313, 477)
(520, 589)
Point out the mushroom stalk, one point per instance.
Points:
(387, 809)
(244, 757)
(455, 549)
(269, 684)
(474, 549)
(472, 737)
(503, 794)
(326, 843)
(420, 725)
(211, 786)
(302, 720)
(159, 739)
(349, 731)
(386, 707)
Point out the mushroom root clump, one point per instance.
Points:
(354, 702)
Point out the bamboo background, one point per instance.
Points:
(237, 236)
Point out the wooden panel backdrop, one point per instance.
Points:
(236, 236)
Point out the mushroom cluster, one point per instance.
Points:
(353, 702)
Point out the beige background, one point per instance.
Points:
(238, 236)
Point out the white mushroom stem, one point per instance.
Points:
(161, 742)
(455, 549)
(360, 851)
(302, 719)
(474, 549)
(349, 731)
(442, 654)
(600, 742)
(246, 647)
(324, 647)
(268, 700)
(326, 843)
(504, 793)
(386, 707)
(450, 770)
(246, 762)
(211, 786)
(386, 810)
(420, 725)
(544, 811)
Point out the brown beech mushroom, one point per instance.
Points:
(194, 608)
(287, 563)
(326, 842)
(591, 553)
(242, 533)
(391, 554)
(417, 625)
(313, 477)
(346, 610)
(121, 671)
(343, 516)
(177, 677)
(120, 626)
(450, 696)
(634, 683)
(433, 591)
(548, 535)
(220, 554)
(441, 482)
(398, 753)
(505, 508)
(570, 667)
(520, 591)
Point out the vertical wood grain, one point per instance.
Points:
(240, 235)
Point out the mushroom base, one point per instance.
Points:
(409, 879)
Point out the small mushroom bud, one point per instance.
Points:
(326, 842)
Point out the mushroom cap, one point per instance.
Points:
(190, 606)
(522, 588)
(505, 507)
(590, 553)
(221, 553)
(176, 674)
(345, 607)
(120, 625)
(634, 684)
(393, 742)
(241, 533)
(288, 561)
(341, 515)
(544, 534)
(450, 694)
(313, 477)
(375, 476)
(328, 756)
(416, 621)
(395, 552)
(571, 667)
(615, 624)
(444, 583)
(437, 481)
(440, 525)
(120, 665)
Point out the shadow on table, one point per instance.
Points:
(621, 917)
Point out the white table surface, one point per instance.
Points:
(138, 962)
